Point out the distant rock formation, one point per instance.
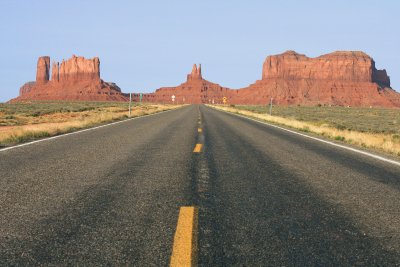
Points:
(79, 68)
(195, 90)
(337, 66)
(55, 72)
(195, 74)
(43, 70)
(74, 79)
(344, 78)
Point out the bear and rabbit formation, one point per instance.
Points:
(343, 78)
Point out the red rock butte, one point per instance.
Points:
(343, 78)
(195, 90)
(74, 79)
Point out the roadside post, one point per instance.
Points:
(270, 107)
(140, 97)
(130, 104)
(173, 99)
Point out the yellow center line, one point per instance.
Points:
(197, 148)
(199, 130)
(184, 251)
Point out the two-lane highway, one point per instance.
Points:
(265, 197)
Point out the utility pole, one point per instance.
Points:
(130, 104)
(270, 107)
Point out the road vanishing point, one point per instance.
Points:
(196, 187)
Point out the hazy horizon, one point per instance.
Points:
(144, 46)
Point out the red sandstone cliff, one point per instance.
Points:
(74, 79)
(43, 68)
(340, 78)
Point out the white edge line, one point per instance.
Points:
(81, 131)
(318, 139)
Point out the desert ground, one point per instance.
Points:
(373, 128)
(22, 122)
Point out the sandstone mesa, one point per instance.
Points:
(342, 78)
(74, 79)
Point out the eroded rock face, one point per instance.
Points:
(43, 70)
(195, 74)
(79, 68)
(344, 78)
(55, 71)
(26, 88)
(338, 66)
(74, 79)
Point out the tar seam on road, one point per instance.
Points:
(321, 140)
(80, 131)
(184, 252)
(197, 148)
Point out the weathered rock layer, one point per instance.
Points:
(74, 79)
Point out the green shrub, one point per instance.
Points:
(339, 138)
(305, 129)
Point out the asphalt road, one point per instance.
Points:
(266, 197)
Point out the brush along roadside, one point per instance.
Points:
(389, 143)
(59, 123)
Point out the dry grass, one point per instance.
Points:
(360, 119)
(25, 127)
(388, 142)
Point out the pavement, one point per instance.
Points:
(117, 195)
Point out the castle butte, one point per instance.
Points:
(74, 79)
(343, 78)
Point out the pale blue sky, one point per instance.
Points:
(144, 45)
